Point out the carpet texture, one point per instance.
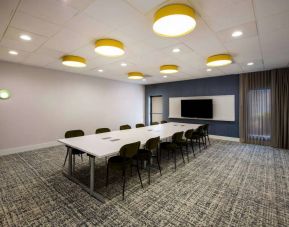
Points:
(227, 184)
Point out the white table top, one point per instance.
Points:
(109, 143)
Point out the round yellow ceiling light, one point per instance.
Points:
(169, 69)
(174, 20)
(219, 60)
(135, 75)
(109, 47)
(73, 61)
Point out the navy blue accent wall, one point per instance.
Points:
(221, 85)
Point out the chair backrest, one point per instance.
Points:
(189, 133)
(74, 133)
(155, 123)
(199, 130)
(102, 130)
(124, 127)
(163, 122)
(177, 137)
(129, 150)
(152, 143)
(140, 125)
(206, 129)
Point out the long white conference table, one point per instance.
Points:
(109, 143)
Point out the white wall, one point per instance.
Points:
(45, 103)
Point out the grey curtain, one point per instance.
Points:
(280, 108)
(264, 108)
(255, 108)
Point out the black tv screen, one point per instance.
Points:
(197, 108)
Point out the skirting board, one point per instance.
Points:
(28, 148)
(55, 143)
(234, 139)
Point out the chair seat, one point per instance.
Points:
(117, 162)
(143, 154)
(168, 146)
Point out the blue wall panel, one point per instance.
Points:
(222, 85)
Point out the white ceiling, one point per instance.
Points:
(61, 27)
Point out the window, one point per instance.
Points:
(259, 114)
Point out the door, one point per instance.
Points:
(156, 109)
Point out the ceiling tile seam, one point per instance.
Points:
(218, 39)
(257, 28)
(11, 18)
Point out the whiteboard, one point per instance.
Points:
(223, 107)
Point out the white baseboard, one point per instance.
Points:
(234, 139)
(28, 148)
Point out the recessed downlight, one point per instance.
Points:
(209, 70)
(176, 50)
(4, 94)
(25, 37)
(144, 80)
(174, 20)
(236, 34)
(13, 52)
(73, 61)
(123, 64)
(250, 63)
(100, 70)
(165, 76)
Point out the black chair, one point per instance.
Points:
(124, 127)
(189, 140)
(197, 136)
(155, 123)
(151, 150)
(123, 161)
(71, 134)
(174, 146)
(102, 130)
(206, 133)
(139, 125)
(163, 122)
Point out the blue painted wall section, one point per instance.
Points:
(221, 85)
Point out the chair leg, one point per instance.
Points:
(203, 142)
(209, 139)
(192, 144)
(199, 142)
(159, 165)
(123, 185)
(139, 174)
(175, 159)
(181, 148)
(81, 157)
(187, 150)
(168, 154)
(106, 183)
(73, 163)
(149, 171)
(65, 158)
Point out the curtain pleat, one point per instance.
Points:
(280, 108)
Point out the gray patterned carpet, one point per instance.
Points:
(228, 184)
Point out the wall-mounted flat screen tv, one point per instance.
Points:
(197, 108)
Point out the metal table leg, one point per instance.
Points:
(89, 189)
(70, 161)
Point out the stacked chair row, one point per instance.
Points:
(131, 155)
